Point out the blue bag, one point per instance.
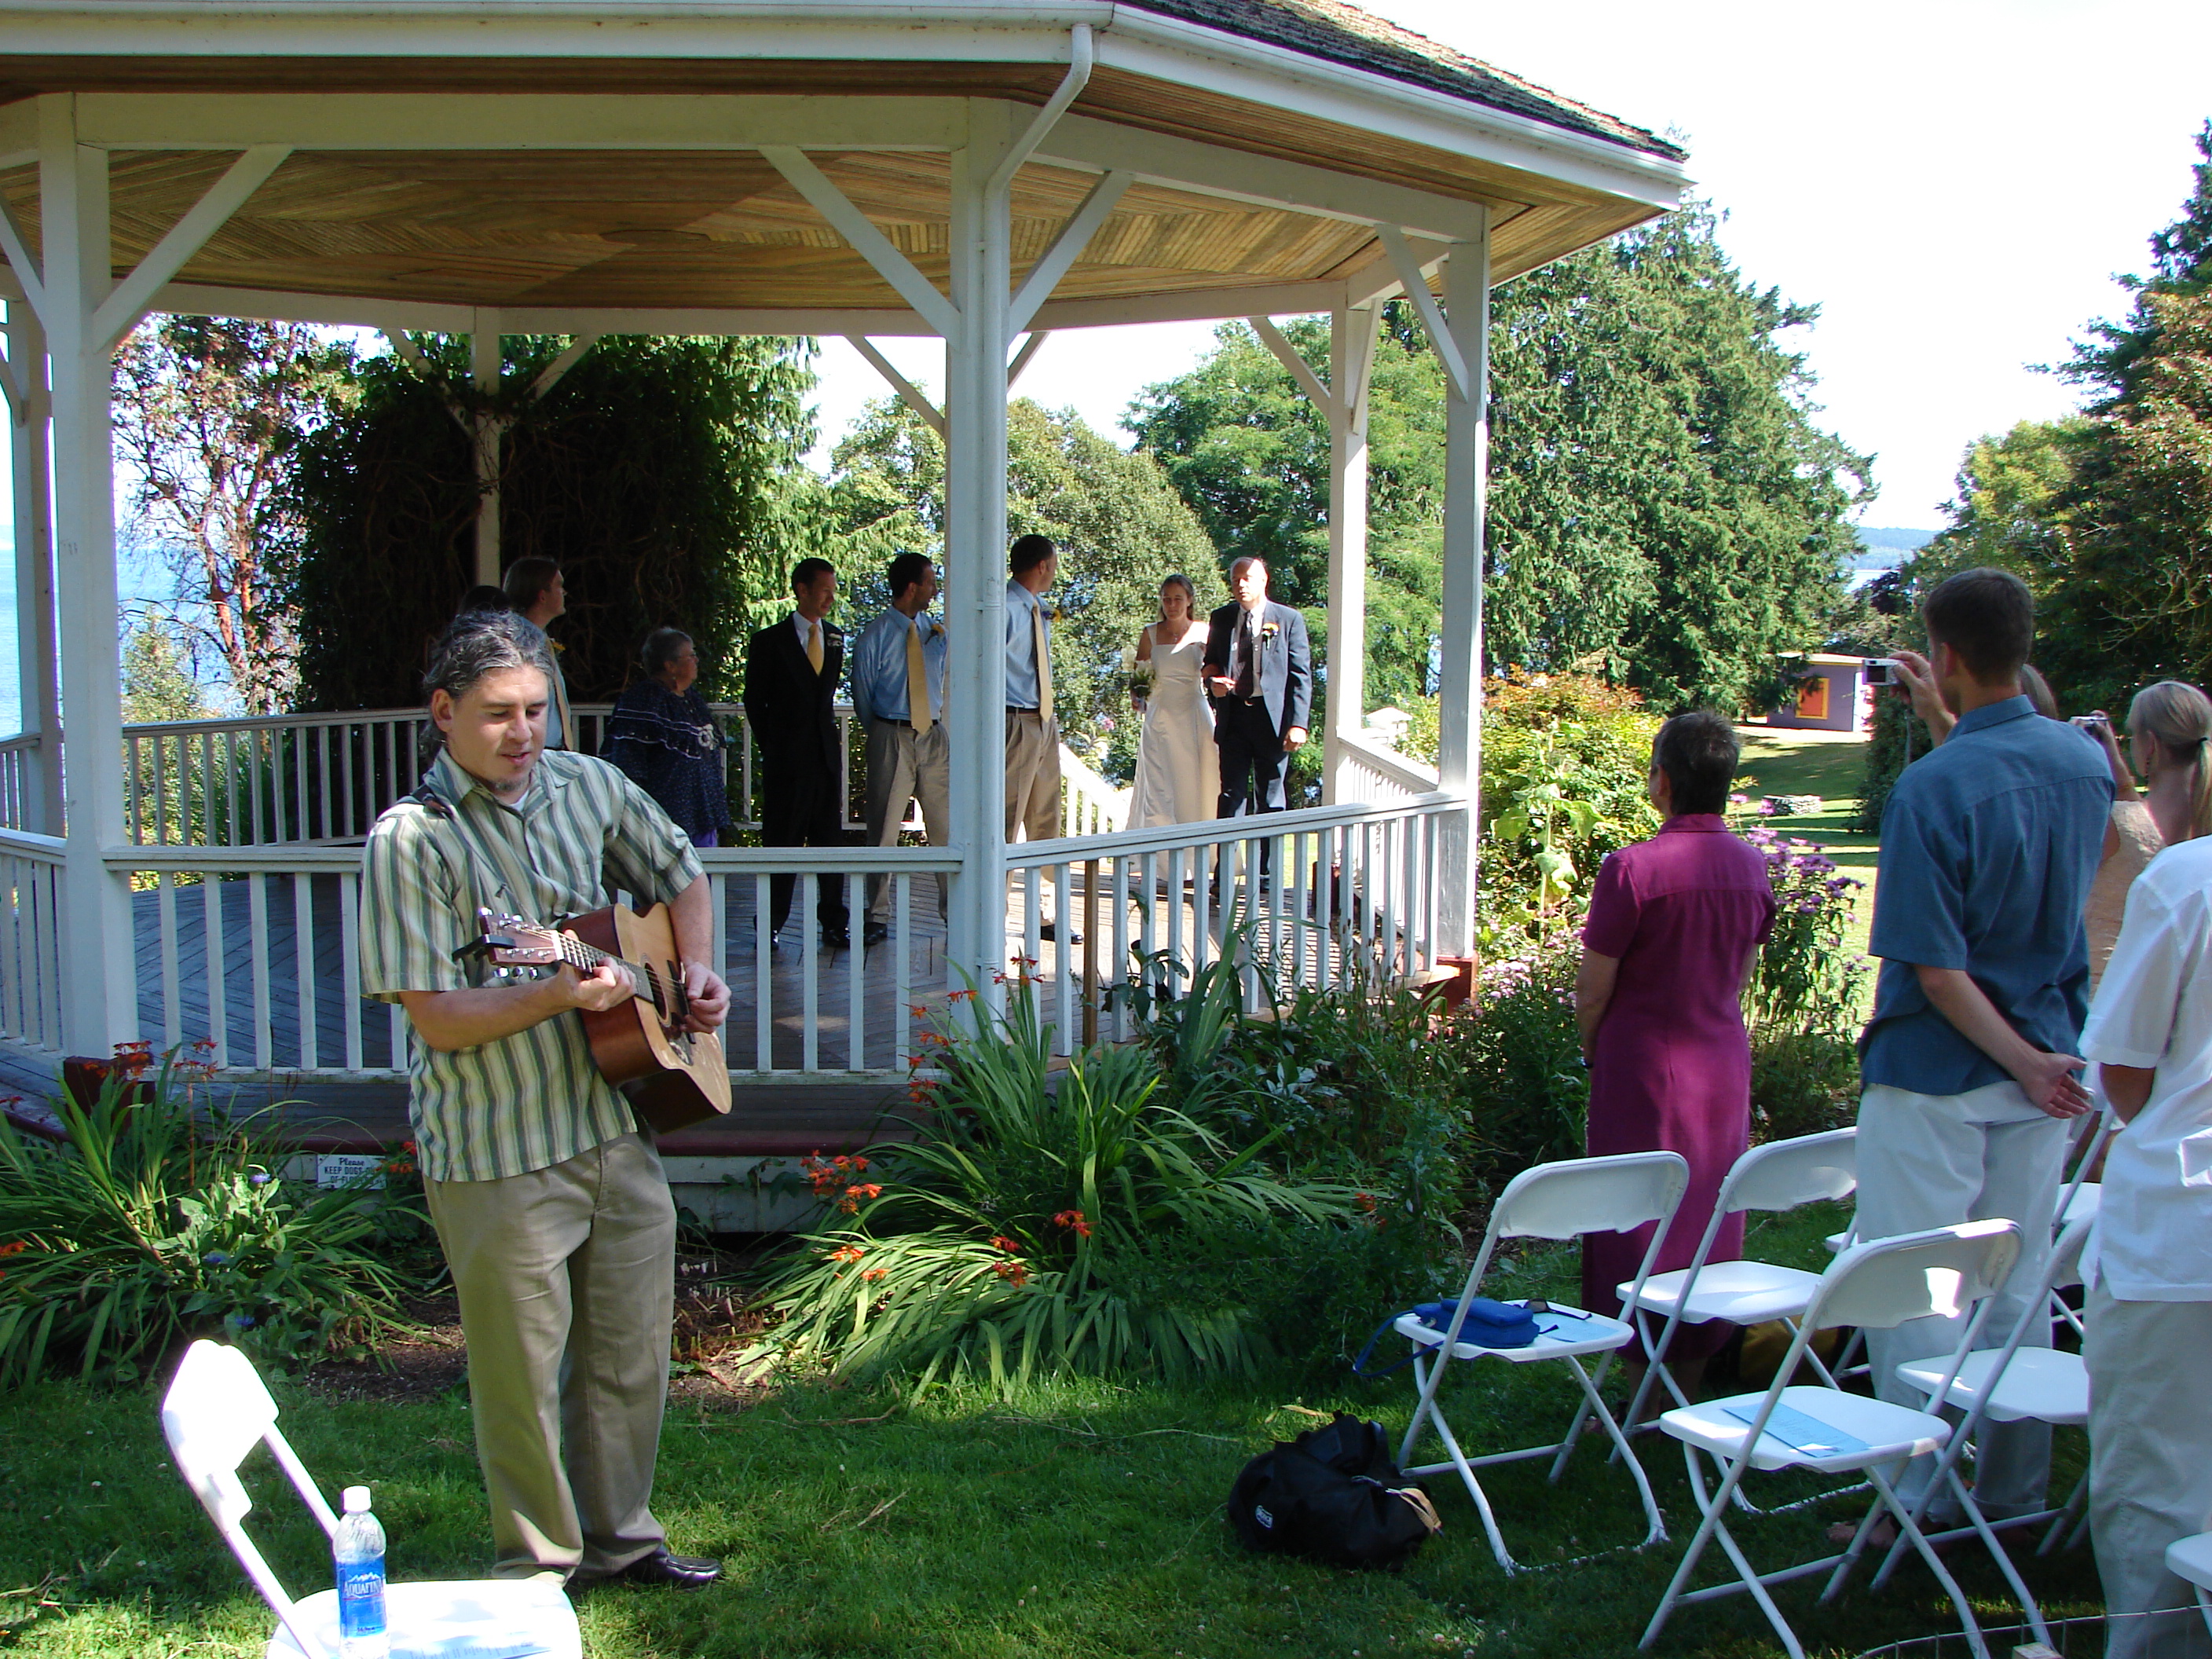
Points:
(1490, 1324)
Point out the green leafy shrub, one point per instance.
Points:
(1802, 1005)
(1032, 1229)
(135, 1233)
(1517, 1052)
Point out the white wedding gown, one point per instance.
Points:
(1178, 770)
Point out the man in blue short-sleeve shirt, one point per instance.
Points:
(1989, 844)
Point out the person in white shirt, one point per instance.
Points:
(2149, 1313)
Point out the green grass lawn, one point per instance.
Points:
(1078, 1519)
(1779, 762)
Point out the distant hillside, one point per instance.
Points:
(1898, 541)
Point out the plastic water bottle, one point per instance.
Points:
(358, 1549)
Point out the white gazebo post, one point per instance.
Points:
(486, 430)
(1463, 343)
(99, 986)
(976, 540)
(1350, 369)
(31, 451)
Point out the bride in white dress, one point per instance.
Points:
(1178, 770)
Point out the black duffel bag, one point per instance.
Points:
(1334, 1495)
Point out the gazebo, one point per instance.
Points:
(982, 171)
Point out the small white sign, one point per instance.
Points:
(350, 1169)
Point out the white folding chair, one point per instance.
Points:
(1560, 1201)
(215, 1412)
(2011, 1384)
(1779, 1176)
(1879, 1285)
(2190, 1559)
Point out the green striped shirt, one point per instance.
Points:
(534, 1099)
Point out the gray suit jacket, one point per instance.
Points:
(1284, 674)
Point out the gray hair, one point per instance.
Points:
(481, 642)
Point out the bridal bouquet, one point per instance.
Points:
(1141, 675)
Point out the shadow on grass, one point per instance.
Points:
(1076, 1518)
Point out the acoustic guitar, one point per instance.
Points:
(674, 1077)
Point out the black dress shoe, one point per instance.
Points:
(837, 938)
(1049, 932)
(676, 1572)
(875, 933)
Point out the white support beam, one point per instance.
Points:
(870, 244)
(28, 276)
(1467, 464)
(911, 394)
(1030, 348)
(976, 550)
(372, 121)
(1236, 175)
(30, 433)
(1351, 335)
(488, 430)
(1416, 282)
(120, 311)
(1079, 60)
(411, 354)
(550, 376)
(99, 984)
(1067, 248)
(1301, 371)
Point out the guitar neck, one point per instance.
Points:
(585, 957)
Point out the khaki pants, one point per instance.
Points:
(567, 1281)
(2150, 1464)
(904, 765)
(1032, 775)
(1934, 1160)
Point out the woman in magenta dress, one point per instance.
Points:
(1674, 926)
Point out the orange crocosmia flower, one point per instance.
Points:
(1365, 1200)
(1073, 1221)
(867, 1189)
(1010, 1246)
(847, 1253)
(1013, 1271)
(874, 1273)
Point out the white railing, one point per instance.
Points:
(319, 779)
(15, 779)
(1296, 894)
(254, 953)
(1370, 772)
(30, 940)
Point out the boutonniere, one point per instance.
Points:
(1268, 631)
(559, 649)
(1053, 615)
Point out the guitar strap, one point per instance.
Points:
(483, 870)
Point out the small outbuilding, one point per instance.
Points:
(1829, 694)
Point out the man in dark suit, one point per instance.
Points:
(791, 687)
(1259, 670)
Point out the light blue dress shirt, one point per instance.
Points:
(1021, 647)
(878, 662)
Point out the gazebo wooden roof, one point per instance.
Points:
(410, 209)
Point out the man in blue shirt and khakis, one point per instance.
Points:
(1989, 844)
(898, 693)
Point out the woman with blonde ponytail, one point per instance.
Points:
(2169, 727)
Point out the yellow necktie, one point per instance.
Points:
(917, 681)
(1043, 660)
(814, 645)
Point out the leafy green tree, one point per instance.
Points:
(1663, 508)
(209, 414)
(157, 678)
(664, 474)
(1121, 527)
(2111, 360)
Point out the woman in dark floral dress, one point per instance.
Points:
(664, 738)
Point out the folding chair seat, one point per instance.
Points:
(1878, 1284)
(1559, 1201)
(215, 1412)
(2010, 1383)
(2190, 1559)
(1780, 1175)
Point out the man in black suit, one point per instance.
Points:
(1259, 670)
(791, 687)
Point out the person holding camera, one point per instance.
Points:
(1989, 845)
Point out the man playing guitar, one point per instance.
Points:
(550, 1204)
